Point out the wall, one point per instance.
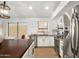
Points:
(53, 24)
(31, 23)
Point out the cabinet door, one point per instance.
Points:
(51, 41)
(40, 41)
(46, 41)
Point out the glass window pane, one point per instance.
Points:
(12, 29)
(22, 29)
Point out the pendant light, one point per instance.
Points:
(4, 11)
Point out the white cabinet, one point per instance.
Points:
(29, 52)
(39, 41)
(42, 41)
(45, 41)
(51, 41)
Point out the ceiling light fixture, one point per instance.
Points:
(46, 8)
(4, 11)
(30, 7)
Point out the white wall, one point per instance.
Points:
(31, 23)
(53, 24)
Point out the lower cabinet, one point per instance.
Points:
(45, 41)
(42, 41)
(51, 41)
(29, 53)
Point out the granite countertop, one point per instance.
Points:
(14, 48)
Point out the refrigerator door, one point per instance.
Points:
(71, 51)
(67, 47)
(71, 39)
(77, 31)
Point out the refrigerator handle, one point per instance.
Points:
(76, 47)
(72, 34)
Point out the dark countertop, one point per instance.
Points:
(14, 48)
(42, 35)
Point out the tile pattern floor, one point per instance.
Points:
(45, 53)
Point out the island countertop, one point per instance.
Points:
(14, 48)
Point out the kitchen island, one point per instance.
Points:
(14, 48)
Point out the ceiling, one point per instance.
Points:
(66, 10)
(20, 9)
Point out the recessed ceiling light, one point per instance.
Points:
(30, 7)
(46, 7)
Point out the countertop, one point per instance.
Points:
(14, 48)
(42, 35)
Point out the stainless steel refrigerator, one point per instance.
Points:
(71, 43)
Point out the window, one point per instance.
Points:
(16, 29)
(12, 30)
(42, 26)
(22, 29)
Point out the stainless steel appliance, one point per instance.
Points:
(63, 26)
(71, 48)
(63, 30)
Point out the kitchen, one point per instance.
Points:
(39, 29)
